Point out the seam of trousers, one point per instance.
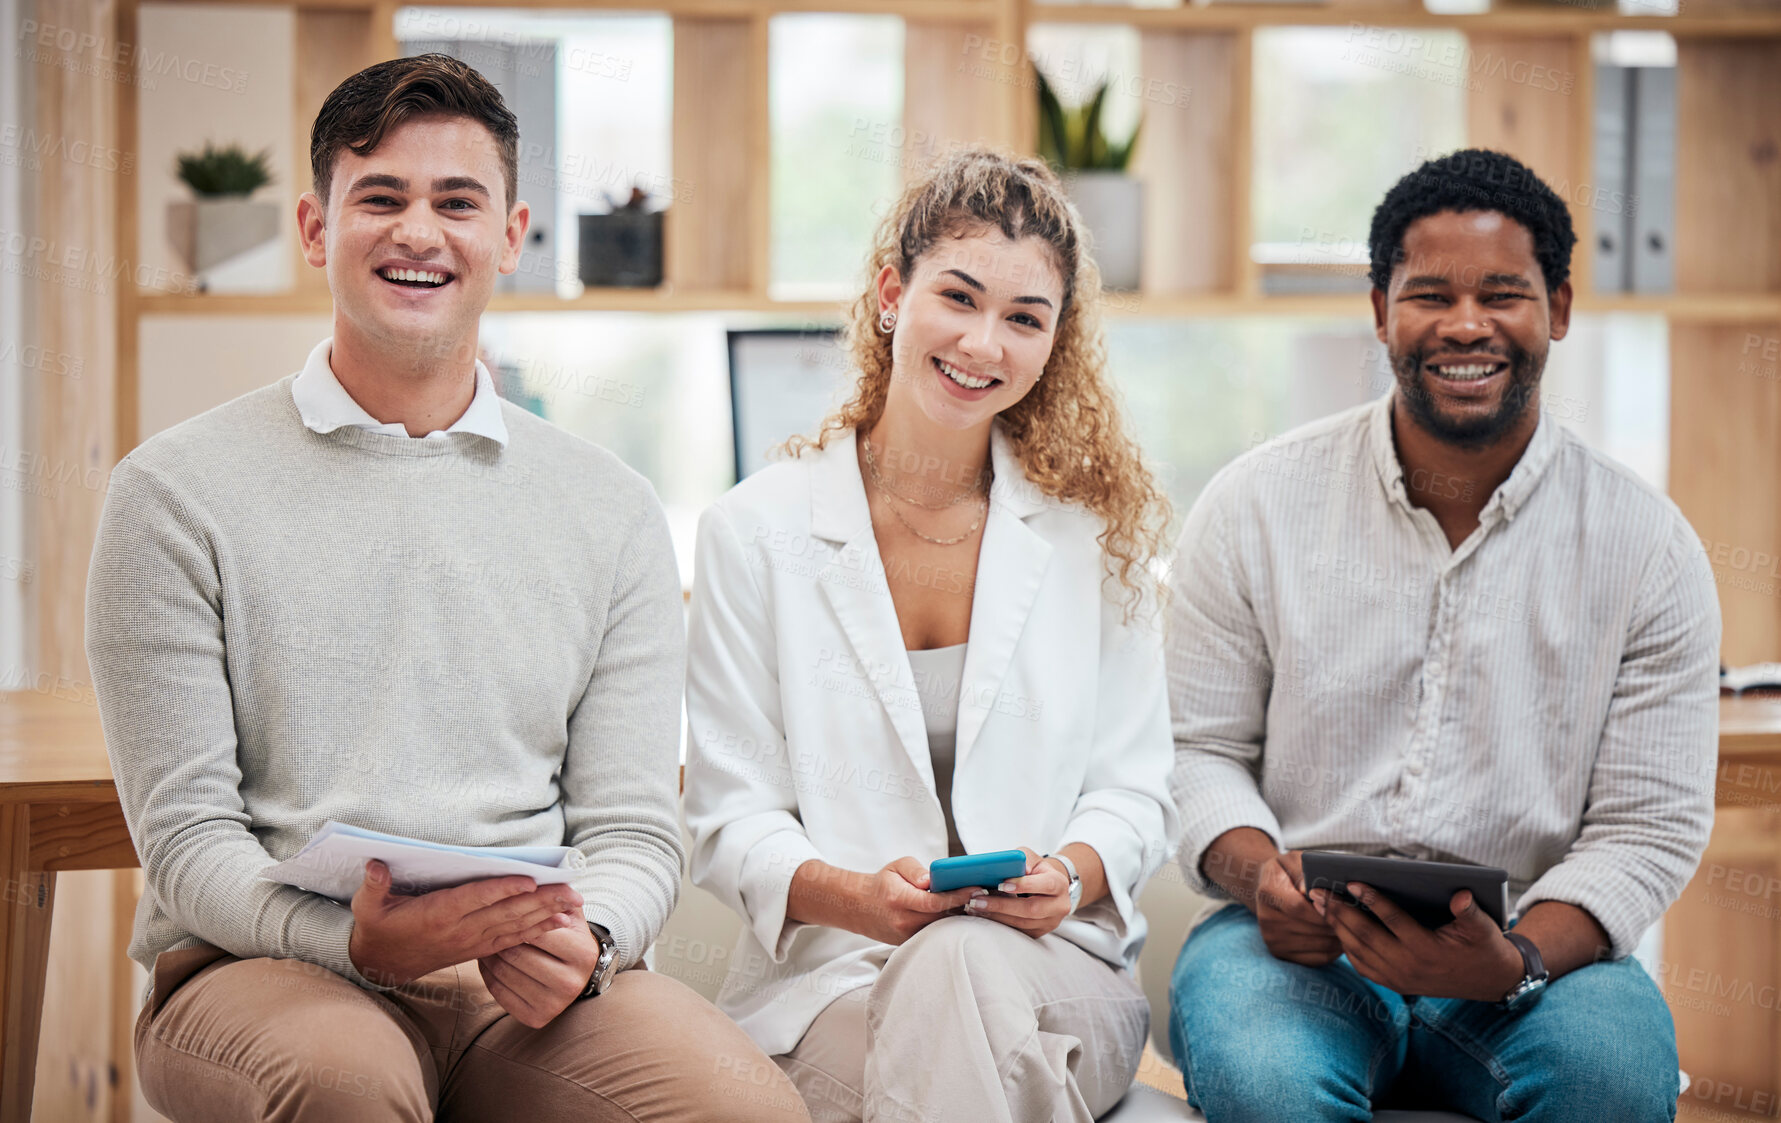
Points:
(227, 1070)
(595, 1092)
(1470, 1046)
(1371, 1091)
(802, 1063)
(787, 1058)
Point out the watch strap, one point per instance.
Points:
(596, 982)
(1533, 967)
(1075, 878)
(1534, 973)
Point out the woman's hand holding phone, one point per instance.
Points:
(898, 904)
(1035, 903)
(890, 905)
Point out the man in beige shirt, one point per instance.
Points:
(1440, 627)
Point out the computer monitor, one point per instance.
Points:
(783, 382)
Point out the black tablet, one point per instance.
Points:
(1421, 889)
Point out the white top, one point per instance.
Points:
(806, 737)
(325, 405)
(1543, 698)
(939, 672)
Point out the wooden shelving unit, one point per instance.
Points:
(1197, 161)
(1725, 444)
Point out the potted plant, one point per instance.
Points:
(624, 246)
(1093, 167)
(222, 222)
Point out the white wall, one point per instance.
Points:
(192, 363)
(12, 389)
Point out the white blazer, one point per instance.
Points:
(807, 740)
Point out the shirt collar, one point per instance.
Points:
(326, 406)
(1509, 496)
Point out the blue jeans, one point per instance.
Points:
(1258, 1038)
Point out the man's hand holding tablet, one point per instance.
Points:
(1467, 957)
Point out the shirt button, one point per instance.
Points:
(1416, 768)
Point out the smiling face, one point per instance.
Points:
(415, 233)
(1467, 321)
(975, 324)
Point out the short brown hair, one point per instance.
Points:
(363, 109)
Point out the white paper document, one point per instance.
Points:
(333, 862)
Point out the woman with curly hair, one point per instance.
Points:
(931, 631)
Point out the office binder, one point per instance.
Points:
(1613, 218)
(1654, 178)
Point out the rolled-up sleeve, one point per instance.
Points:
(741, 793)
(1650, 806)
(1219, 677)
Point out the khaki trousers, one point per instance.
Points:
(973, 1020)
(227, 1039)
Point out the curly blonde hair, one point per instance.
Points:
(1069, 431)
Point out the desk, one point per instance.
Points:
(58, 811)
(1722, 938)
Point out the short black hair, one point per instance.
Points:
(1474, 179)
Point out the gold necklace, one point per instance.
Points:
(877, 482)
(878, 478)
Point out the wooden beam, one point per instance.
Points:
(1725, 470)
(1522, 101)
(952, 93)
(719, 161)
(332, 45)
(1186, 157)
(1728, 166)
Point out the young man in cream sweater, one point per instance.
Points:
(374, 592)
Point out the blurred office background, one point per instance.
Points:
(705, 176)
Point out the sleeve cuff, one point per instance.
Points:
(766, 887)
(323, 932)
(1123, 860)
(1202, 826)
(1620, 904)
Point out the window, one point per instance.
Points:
(836, 111)
(1340, 115)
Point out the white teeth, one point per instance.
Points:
(415, 275)
(962, 378)
(1466, 373)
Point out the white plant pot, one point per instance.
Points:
(1112, 208)
(208, 232)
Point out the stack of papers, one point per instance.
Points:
(333, 862)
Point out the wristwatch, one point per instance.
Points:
(1075, 879)
(603, 967)
(1533, 981)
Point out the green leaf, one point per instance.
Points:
(224, 171)
(1053, 129)
(1074, 139)
(1119, 157)
(1094, 141)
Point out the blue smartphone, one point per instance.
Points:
(987, 870)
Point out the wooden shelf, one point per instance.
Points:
(609, 300)
(929, 11)
(1692, 307)
(1559, 20)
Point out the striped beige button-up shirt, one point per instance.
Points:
(1542, 698)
